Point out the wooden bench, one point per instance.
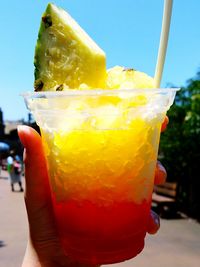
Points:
(164, 198)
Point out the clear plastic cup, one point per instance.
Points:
(101, 149)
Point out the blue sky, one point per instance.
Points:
(128, 31)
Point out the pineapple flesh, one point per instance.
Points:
(124, 78)
(67, 58)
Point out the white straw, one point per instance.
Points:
(163, 41)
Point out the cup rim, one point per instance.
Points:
(96, 92)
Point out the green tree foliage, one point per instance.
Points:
(180, 146)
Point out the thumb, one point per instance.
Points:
(43, 232)
(36, 175)
(37, 193)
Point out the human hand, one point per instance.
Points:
(44, 249)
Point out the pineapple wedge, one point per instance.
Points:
(65, 56)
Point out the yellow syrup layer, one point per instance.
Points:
(103, 165)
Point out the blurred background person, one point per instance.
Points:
(14, 168)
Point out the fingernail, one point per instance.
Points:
(154, 223)
(22, 130)
(156, 219)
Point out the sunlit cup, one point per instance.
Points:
(101, 149)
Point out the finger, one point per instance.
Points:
(164, 124)
(160, 174)
(154, 223)
(37, 193)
